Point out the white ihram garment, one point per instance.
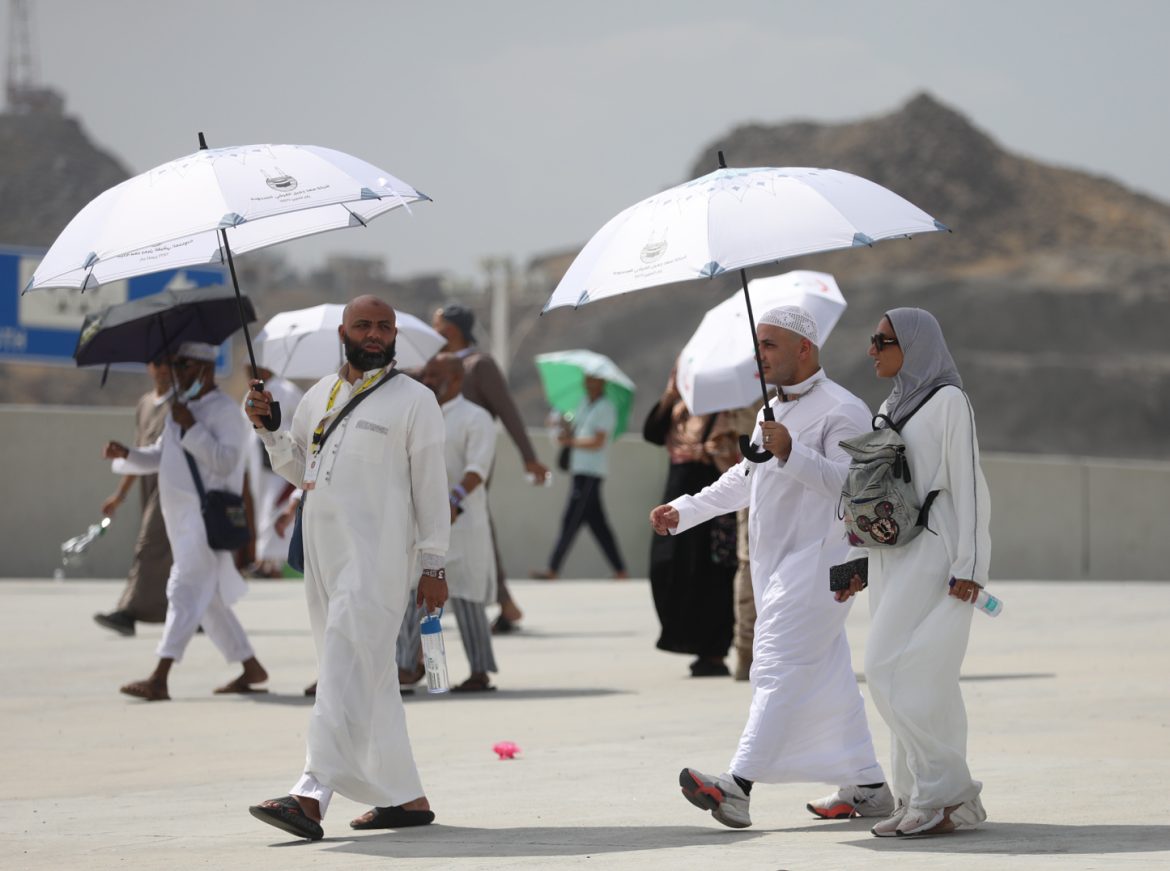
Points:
(807, 719)
(379, 507)
(203, 583)
(918, 634)
(265, 484)
(470, 447)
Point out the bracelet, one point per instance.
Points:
(461, 492)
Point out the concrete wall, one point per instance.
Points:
(1052, 517)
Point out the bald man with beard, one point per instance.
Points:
(375, 523)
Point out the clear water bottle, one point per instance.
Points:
(989, 604)
(434, 653)
(985, 602)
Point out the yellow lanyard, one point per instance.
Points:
(319, 432)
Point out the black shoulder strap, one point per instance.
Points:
(195, 475)
(352, 404)
(897, 427)
(349, 406)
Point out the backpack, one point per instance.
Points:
(877, 503)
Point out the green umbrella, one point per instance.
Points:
(563, 375)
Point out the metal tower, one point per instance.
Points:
(23, 90)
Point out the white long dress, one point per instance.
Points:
(265, 484)
(379, 508)
(918, 634)
(470, 447)
(807, 718)
(203, 583)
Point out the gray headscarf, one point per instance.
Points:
(926, 361)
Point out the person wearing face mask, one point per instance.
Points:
(920, 592)
(366, 447)
(203, 584)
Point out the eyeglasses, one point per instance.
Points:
(880, 340)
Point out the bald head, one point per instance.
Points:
(444, 375)
(368, 330)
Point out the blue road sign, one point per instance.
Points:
(42, 326)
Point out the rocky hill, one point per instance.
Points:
(1053, 289)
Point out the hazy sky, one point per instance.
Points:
(532, 123)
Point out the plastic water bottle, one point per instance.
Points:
(434, 653)
(985, 602)
(989, 604)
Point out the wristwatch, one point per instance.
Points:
(438, 574)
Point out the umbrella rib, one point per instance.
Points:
(355, 214)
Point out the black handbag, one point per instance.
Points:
(296, 540)
(563, 458)
(224, 517)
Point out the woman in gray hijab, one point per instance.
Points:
(921, 592)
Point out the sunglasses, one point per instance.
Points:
(880, 340)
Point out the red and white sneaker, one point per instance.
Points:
(721, 795)
(854, 801)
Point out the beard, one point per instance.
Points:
(366, 360)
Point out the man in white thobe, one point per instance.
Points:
(375, 506)
(203, 583)
(270, 492)
(807, 718)
(471, 564)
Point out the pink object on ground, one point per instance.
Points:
(505, 750)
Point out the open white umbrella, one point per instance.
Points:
(197, 209)
(303, 343)
(731, 219)
(717, 369)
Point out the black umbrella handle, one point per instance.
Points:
(748, 448)
(271, 420)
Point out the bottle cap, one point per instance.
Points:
(429, 625)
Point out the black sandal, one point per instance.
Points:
(394, 817)
(285, 813)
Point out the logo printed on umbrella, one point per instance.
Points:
(653, 249)
(281, 182)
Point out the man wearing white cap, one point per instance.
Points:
(204, 424)
(807, 719)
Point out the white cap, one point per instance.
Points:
(794, 318)
(197, 351)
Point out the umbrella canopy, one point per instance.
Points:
(304, 344)
(144, 329)
(731, 219)
(717, 368)
(562, 373)
(257, 195)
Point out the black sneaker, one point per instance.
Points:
(119, 621)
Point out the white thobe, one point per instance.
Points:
(267, 486)
(378, 508)
(918, 634)
(807, 718)
(203, 583)
(470, 447)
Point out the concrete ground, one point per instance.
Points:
(1067, 696)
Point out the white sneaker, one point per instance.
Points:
(854, 801)
(888, 828)
(968, 814)
(920, 820)
(721, 795)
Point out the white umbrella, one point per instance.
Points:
(186, 212)
(717, 369)
(304, 343)
(196, 209)
(731, 219)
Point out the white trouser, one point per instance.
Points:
(194, 602)
(308, 787)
